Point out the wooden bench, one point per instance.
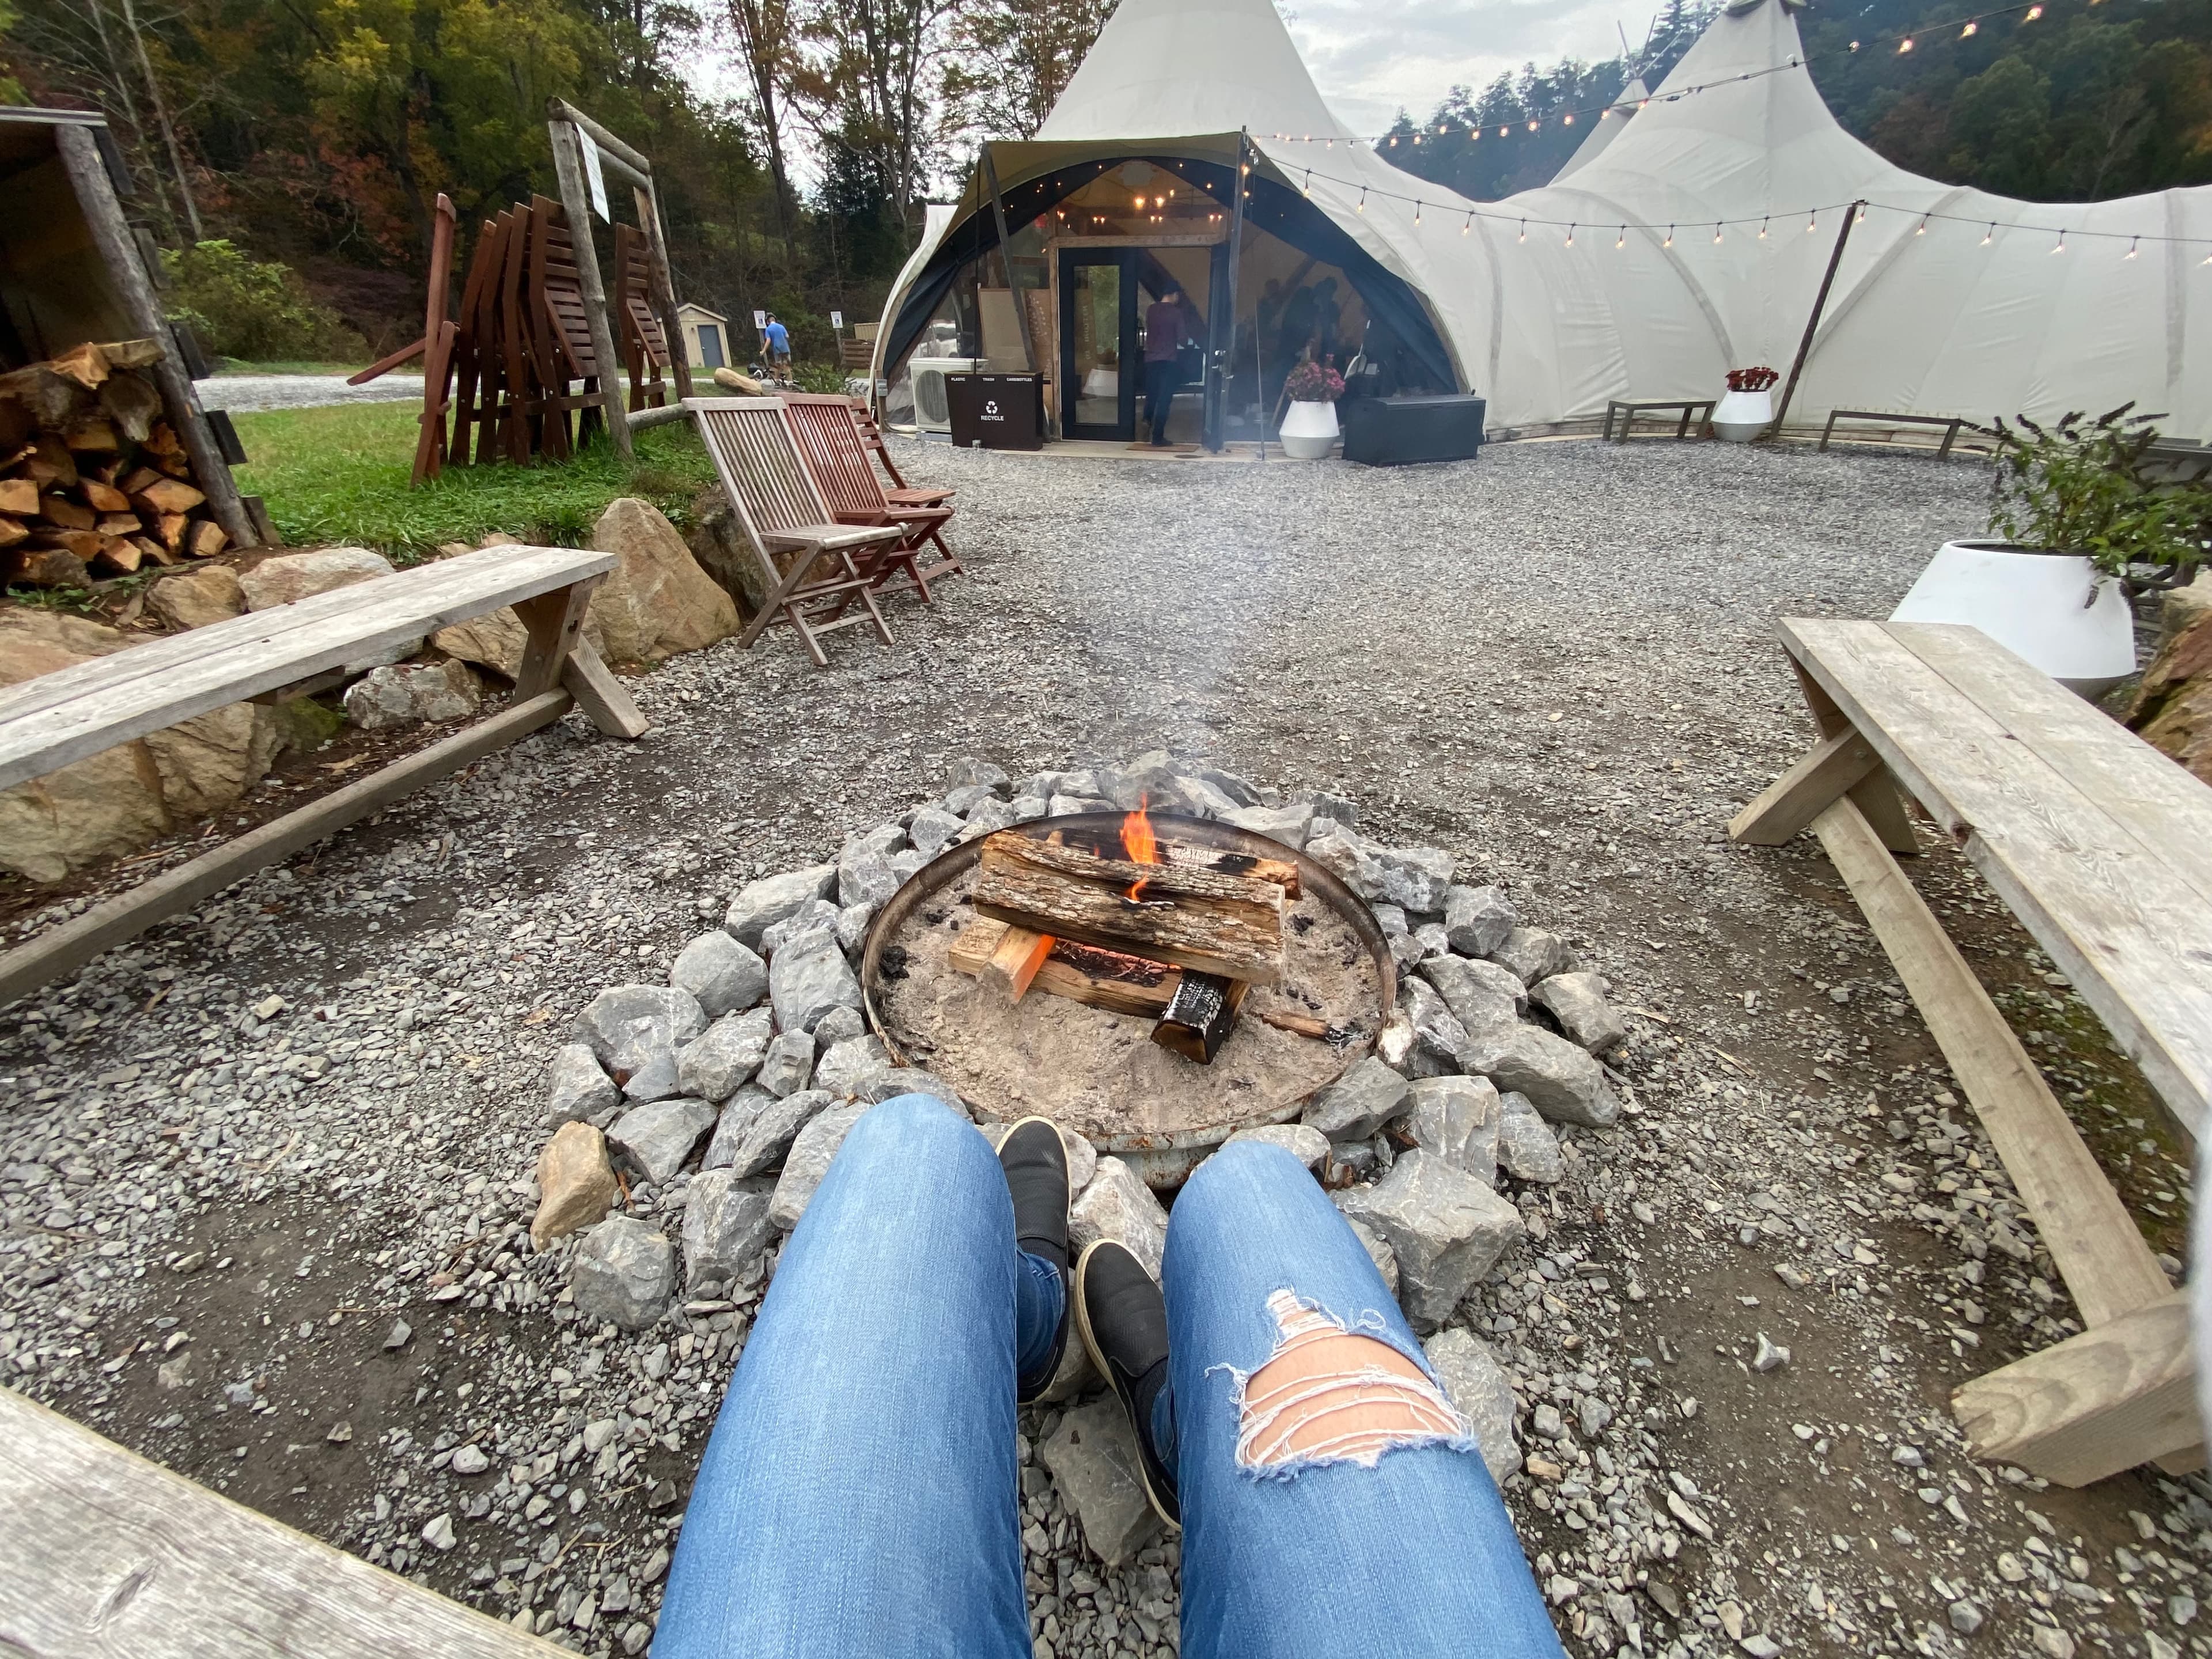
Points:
(1628, 409)
(291, 651)
(1950, 423)
(2103, 848)
(108, 1553)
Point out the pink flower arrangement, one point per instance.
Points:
(1315, 383)
(1750, 380)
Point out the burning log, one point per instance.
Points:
(1199, 1016)
(1013, 966)
(1112, 980)
(1230, 926)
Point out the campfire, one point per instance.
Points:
(1169, 929)
(1154, 983)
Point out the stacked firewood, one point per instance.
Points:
(94, 480)
(1171, 932)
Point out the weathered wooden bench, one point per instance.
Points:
(1629, 408)
(2103, 848)
(1950, 423)
(290, 651)
(107, 1553)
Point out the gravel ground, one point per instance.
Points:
(247, 394)
(266, 1172)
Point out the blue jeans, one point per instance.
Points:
(859, 1494)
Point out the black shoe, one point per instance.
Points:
(1036, 1167)
(1124, 1322)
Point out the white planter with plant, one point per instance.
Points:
(1746, 410)
(1309, 429)
(2076, 528)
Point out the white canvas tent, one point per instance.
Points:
(1686, 240)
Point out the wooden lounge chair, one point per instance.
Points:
(774, 501)
(901, 492)
(835, 453)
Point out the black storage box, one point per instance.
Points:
(996, 411)
(1400, 431)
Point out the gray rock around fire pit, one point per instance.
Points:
(761, 904)
(623, 1273)
(1360, 1101)
(1446, 1228)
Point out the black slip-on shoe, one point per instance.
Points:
(1035, 1163)
(1124, 1322)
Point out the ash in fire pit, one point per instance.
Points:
(1243, 977)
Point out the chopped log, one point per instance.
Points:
(19, 496)
(205, 539)
(120, 552)
(1198, 1017)
(1191, 855)
(87, 365)
(119, 524)
(46, 566)
(165, 495)
(53, 400)
(164, 442)
(69, 514)
(104, 497)
(133, 405)
(1014, 964)
(82, 544)
(154, 550)
(1111, 980)
(1304, 1025)
(96, 434)
(171, 528)
(131, 353)
(137, 479)
(1227, 924)
(11, 531)
(54, 465)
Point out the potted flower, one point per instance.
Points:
(1747, 410)
(1309, 428)
(2078, 524)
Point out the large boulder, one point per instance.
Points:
(413, 694)
(208, 761)
(725, 1224)
(195, 597)
(285, 577)
(496, 640)
(1446, 1228)
(657, 601)
(1561, 1081)
(1479, 994)
(1478, 1386)
(1422, 1037)
(1478, 919)
(608, 1023)
(847, 1067)
(1527, 1148)
(722, 974)
(1301, 1140)
(2173, 705)
(623, 1273)
(773, 1128)
(1530, 954)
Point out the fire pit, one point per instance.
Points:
(1156, 1049)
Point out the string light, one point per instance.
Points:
(1967, 32)
(1571, 117)
(1362, 207)
(1716, 235)
(1811, 222)
(1762, 229)
(2061, 248)
(2132, 240)
(1468, 229)
(1571, 235)
(1922, 231)
(1861, 218)
(1417, 215)
(1621, 241)
(1524, 230)
(1670, 236)
(1906, 45)
(1990, 235)
(2032, 14)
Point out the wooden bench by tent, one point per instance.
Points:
(2102, 847)
(290, 651)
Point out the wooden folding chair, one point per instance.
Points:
(776, 501)
(560, 321)
(836, 455)
(644, 348)
(902, 493)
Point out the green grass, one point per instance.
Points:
(340, 475)
(241, 366)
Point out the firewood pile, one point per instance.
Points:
(1176, 933)
(94, 480)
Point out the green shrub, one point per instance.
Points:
(256, 309)
(818, 377)
(2084, 486)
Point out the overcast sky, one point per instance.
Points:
(1372, 57)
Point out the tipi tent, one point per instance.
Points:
(1608, 128)
(1679, 243)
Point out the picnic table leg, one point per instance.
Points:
(1876, 793)
(558, 654)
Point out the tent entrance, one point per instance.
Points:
(1105, 294)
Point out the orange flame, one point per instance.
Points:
(1140, 843)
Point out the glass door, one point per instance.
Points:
(1099, 368)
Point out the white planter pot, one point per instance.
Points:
(1309, 430)
(2053, 610)
(1739, 416)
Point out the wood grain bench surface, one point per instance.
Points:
(55, 718)
(2099, 843)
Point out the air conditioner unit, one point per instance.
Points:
(933, 410)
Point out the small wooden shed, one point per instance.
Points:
(74, 270)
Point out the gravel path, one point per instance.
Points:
(246, 393)
(234, 1154)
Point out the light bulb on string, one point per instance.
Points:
(1923, 229)
(1762, 229)
(1570, 118)
(1394, 140)
(1469, 227)
(1716, 235)
(1904, 46)
(1861, 218)
(1621, 241)
(1571, 235)
(1967, 32)
(1417, 215)
(1505, 131)
(2061, 248)
(1524, 230)
(2032, 14)
(1532, 126)
(1307, 188)
(1811, 222)
(1670, 237)
(2132, 240)
(1362, 207)
(1990, 235)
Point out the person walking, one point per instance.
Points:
(859, 1493)
(776, 341)
(1165, 325)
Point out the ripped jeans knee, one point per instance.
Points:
(1329, 1394)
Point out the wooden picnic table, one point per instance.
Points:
(1629, 408)
(289, 651)
(2102, 847)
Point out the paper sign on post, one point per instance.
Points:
(837, 319)
(760, 319)
(594, 177)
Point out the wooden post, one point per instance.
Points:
(648, 218)
(1813, 322)
(568, 167)
(119, 250)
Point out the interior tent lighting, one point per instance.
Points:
(1570, 118)
(1716, 235)
(2032, 14)
(1362, 207)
